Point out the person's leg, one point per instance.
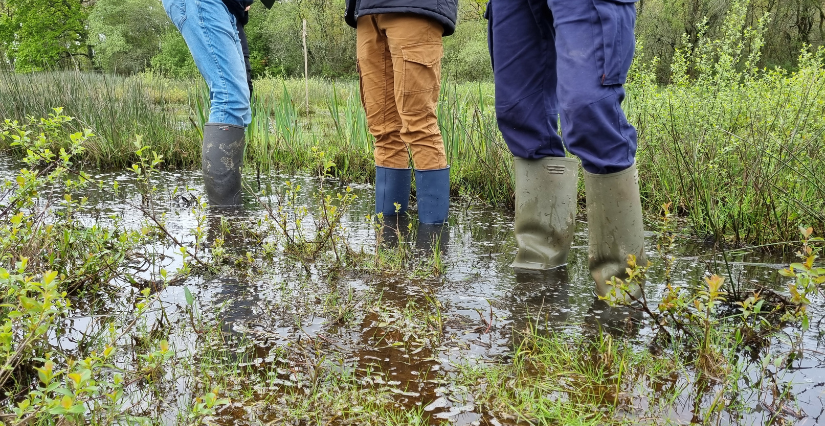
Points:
(212, 37)
(594, 44)
(416, 49)
(377, 94)
(392, 172)
(524, 65)
(524, 68)
(210, 32)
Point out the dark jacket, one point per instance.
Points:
(443, 11)
(238, 8)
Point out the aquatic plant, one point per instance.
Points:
(48, 257)
(292, 221)
(808, 277)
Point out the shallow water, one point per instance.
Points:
(482, 300)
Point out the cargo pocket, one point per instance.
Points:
(421, 79)
(617, 20)
(176, 9)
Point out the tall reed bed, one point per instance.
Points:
(333, 122)
(115, 108)
(480, 162)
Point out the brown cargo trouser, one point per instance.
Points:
(399, 61)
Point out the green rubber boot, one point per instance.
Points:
(545, 211)
(614, 219)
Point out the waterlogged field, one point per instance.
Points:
(736, 154)
(299, 308)
(125, 300)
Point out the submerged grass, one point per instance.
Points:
(598, 380)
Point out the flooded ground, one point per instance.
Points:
(286, 323)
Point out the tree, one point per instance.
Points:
(174, 59)
(43, 34)
(126, 34)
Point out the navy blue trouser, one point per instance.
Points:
(565, 58)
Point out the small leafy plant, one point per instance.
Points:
(808, 277)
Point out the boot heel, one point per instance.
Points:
(614, 221)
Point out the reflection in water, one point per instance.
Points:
(394, 229)
(408, 332)
(432, 239)
(403, 229)
(540, 298)
(619, 321)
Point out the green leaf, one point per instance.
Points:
(63, 391)
(30, 304)
(49, 276)
(758, 307)
(190, 300)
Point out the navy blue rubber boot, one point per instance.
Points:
(392, 186)
(433, 193)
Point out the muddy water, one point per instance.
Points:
(378, 334)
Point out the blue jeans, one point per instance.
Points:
(211, 33)
(564, 59)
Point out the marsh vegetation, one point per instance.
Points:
(124, 299)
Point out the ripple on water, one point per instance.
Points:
(384, 341)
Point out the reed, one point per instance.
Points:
(115, 108)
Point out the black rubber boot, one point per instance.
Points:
(221, 159)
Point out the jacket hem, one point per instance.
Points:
(449, 25)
